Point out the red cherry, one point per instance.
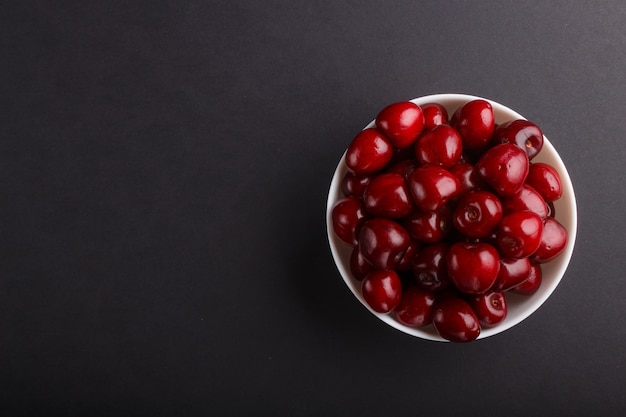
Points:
(455, 320)
(522, 133)
(406, 262)
(369, 152)
(432, 186)
(387, 196)
(404, 168)
(490, 307)
(382, 290)
(355, 185)
(475, 123)
(466, 174)
(473, 267)
(383, 242)
(430, 268)
(477, 214)
(439, 146)
(532, 283)
(526, 199)
(429, 226)
(434, 115)
(504, 167)
(359, 266)
(546, 180)
(348, 215)
(519, 234)
(416, 307)
(401, 122)
(553, 240)
(512, 273)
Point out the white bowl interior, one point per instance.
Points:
(519, 306)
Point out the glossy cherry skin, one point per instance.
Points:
(455, 320)
(475, 123)
(406, 261)
(490, 307)
(348, 215)
(383, 242)
(519, 234)
(416, 307)
(382, 290)
(388, 196)
(434, 115)
(522, 133)
(430, 268)
(473, 267)
(355, 185)
(359, 266)
(369, 152)
(553, 240)
(401, 122)
(432, 186)
(404, 168)
(466, 174)
(527, 198)
(504, 167)
(532, 283)
(429, 226)
(546, 180)
(512, 273)
(439, 146)
(477, 214)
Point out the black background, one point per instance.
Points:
(164, 168)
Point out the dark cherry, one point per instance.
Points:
(430, 268)
(522, 133)
(475, 123)
(416, 307)
(546, 180)
(348, 215)
(429, 226)
(532, 283)
(355, 185)
(466, 174)
(504, 167)
(439, 146)
(473, 267)
(477, 214)
(455, 320)
(404, 168)
(432, 186)
(383, 242)
(519, 234)
(359, 266)
(490, 307)
(526, 199)
(401, 122)
(403, 154)
(369, 152)
(382, 290)
(434, 115)
(512, 273)
(552, 243)
(406, 262)
(387, 196)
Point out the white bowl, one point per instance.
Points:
(519, 306)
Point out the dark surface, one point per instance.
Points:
(164, 171)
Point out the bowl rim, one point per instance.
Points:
(530, 303)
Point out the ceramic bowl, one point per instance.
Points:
(519, 306)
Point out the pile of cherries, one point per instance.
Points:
(447, 215)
